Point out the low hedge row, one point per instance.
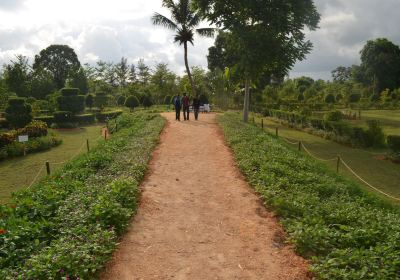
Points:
(105, 116)
(64, 117)
(67, 225)
(347, 233)
(336, 130)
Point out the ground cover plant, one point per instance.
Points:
(347, 233)
(66, 226)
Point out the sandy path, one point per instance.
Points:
(199, 219)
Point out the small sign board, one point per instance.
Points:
(23, 138)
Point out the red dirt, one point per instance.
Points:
(199, 219)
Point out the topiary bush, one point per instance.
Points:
(101, 99)
(18, 113)
(71, 101)
(146, 101)
(354, 97)
(334, 116)
(132, 102)
(89, 101)
(168, 100)
(121, 100)
(375, 135)
(34, 129)
(85, 119)
(64, 119)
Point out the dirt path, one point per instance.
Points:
(199, 219)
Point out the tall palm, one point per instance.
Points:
(184, 22)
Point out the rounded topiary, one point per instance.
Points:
(330, 98)
(71, 101)
(18, 113)
(63, 117)
(121, 100)
(101, 99)
(131, 102)
(333, 116)
(354, 98)
(89, 101)
(146, 101)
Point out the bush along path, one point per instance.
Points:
(347, 233)
(199, 219)
(66, 226)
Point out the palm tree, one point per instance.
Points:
(184, 21)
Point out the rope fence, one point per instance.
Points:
(338, 159)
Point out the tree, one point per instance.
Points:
(122, 72)
(41, 84)
(131, 102)
(17, 75)
(144, 72)
(342, 74)
(184, 21)
(163, 82)
(265, 35)
(380, 62)
(18, 112)
(79, 80)
(330, 98)
(60, 61)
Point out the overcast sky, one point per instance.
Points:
(108, 30)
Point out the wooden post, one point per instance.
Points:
(87, 145)
(48, 167)
(338, 164)
(359, 114)
(262, 123)
(276, 132)
(299, 146)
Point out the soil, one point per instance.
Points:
(199, 218)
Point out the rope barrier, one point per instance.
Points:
(365, 182)
(289, 142)
(37, 176)
(315, 157)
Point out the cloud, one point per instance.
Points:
(10, 4)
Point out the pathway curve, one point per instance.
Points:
(199, 219)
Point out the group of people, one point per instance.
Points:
(183, 103)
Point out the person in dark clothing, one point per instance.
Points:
(196, 107)
(185, 105)
(178, 105)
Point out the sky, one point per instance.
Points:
(108, 30)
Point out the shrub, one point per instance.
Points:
(330, 98)
(101, 99)
(354, 97)
(85, 119)
(63, 117)
(3, 123)
(70, 100)
(105, 116)
(30, 100)
(167, 100)
(47, 119)
(393, 142)
(121, 100)
(7, 138)
(132, 102)
(146, 101)
(375, 135)
(89, 101)
(18, 113)
(34, 129)
(339, 97)
(333, 116)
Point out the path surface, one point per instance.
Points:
(199, 219)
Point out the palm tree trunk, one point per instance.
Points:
(246, 101)
(188, 70)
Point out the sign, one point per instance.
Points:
(23, 138)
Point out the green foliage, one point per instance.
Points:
(101, 99)
(146, 101)
(375, 136)
(347, 233)
(105, 116)
(34, 129)
(18, 113)
(168, 100)
(335, 116)
(46, 119)
(132, 102)
(61, 117)
(354, 97)
(330, 98)
(393, 142)
(89, 101)
(121, 100)
(60, 61)
(67, 225)
(85, 119)
(70, 101)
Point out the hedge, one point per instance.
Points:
(85, 119)
(67, 225)
(47, 119)
(104, 116)
(393, 142)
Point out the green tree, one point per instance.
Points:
(143, 74)
(60, 61)
(122, 72)
(380, 62)
(266, 35)
(342, 74)
(79, 80)
(184, 21)
(163, 82)
(132, 102)
(41, 84)
(18, 112)
(17, 76)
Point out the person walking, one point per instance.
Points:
(178, 105)
(196, 107)
(185, 105)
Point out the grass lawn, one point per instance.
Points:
(19, 172)
(382, 174)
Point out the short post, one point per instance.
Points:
(87, 145)
(276, 132)
(24, 149)
(105, 134)
(359, 114)
(338, 164)
(48, 167)
(262, 123)
(299, 146)
(254, 120)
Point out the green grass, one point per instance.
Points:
(382, 174)
(18, 173)
(347, 233)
